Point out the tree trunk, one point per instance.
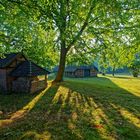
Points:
(113, 72)
(103, 73)
(60, 73)
(135, 73)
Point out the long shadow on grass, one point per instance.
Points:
(113, 111)
(82, 110)
(23, 111)
(54, 117)
(13, 102)
(78, 110)
(33, 121)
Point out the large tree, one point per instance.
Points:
(81, 25)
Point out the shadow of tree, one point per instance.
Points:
(28, 120)
(117, 109)
(77, 110)
(13, 102)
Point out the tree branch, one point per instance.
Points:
(82, 28)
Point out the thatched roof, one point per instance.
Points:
(28, 68)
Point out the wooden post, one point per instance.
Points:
(46, 79)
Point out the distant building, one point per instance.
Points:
(18, 74)
(81, 71)
(55, 69)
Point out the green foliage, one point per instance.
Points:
(135, 66)
(21, 32)
(117, 56)
(42, 28)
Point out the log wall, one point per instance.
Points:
(79, 73)
(93, 73)
(37, 86)
(27, 85)
(21, 85)
(3, 85)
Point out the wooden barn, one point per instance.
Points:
(18, 74)
(81, 71)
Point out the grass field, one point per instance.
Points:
(77, 109)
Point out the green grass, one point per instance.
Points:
(77, 109)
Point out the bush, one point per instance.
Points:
(135, 68)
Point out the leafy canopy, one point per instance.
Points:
(41, 28)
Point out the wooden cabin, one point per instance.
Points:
(18, 74)
(81, 71)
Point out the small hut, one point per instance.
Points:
(18, 74)
(81, 71)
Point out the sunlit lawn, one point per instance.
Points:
(88, 109)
